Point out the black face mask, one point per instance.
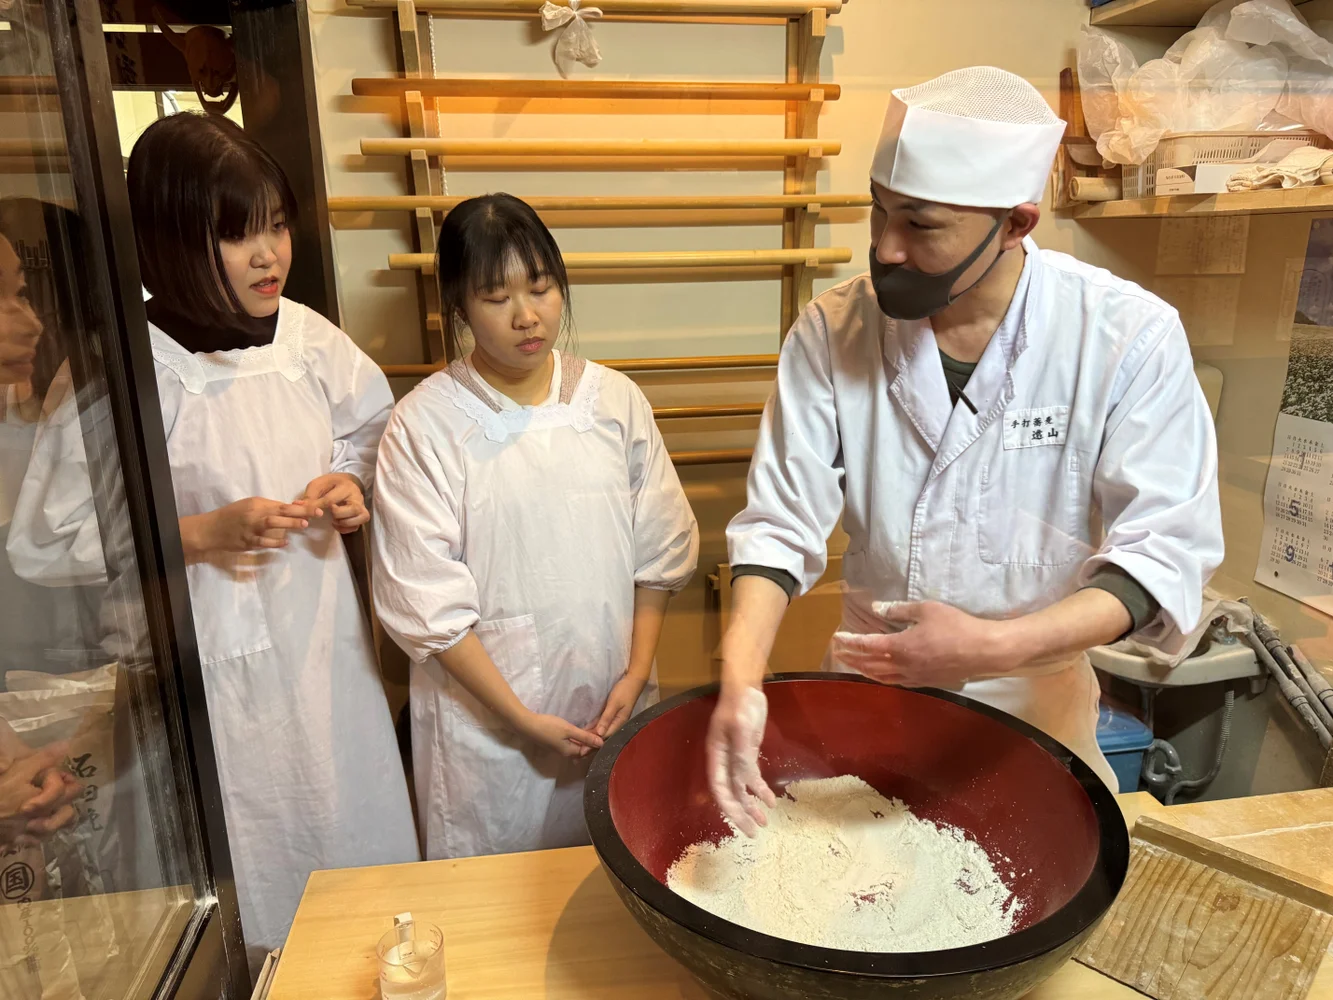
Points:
(905, 294)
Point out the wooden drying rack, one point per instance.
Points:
(799, 208)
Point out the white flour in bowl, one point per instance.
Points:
(840, 866)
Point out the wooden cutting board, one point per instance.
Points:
(1197, 920)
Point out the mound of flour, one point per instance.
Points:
(840, 866)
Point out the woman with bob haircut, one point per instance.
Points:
(273, 418)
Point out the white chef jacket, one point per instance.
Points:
(1088, 411)
(530, 526)
(307, 757)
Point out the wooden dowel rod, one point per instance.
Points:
(718, 456)
(609, 203)
(425, 262)
(14, 85)
(720, 410)
(32, 147)
(720, 8)
(602, 147)
(663, 90)
(706, 363)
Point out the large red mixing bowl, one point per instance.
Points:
(1017, 792)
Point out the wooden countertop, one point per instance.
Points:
(548, 926)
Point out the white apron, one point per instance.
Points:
(310, 769)
(530, 526)
(1091, 444)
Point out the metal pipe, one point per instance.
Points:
(1318, 682)
(1301, 681)
(1273, 642)
(1289, 690)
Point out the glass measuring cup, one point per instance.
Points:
(411, 959)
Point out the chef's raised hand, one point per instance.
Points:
(735, 733)
(563, 737)
(939, 646)
(244, 526)
(340, 494)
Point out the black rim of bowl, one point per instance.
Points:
(1048, 934)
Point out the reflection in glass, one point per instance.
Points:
(95, 881)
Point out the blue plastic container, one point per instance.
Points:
(1123, 738)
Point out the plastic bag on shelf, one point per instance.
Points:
(1105, 64)
(1205, 83)
(1277, 22)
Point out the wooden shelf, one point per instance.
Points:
(662, 148)
(664, 259)
(610, 203)
(621, 9)
(666, 90)
(1304, 199)
(1151, 13)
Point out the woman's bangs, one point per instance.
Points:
(248, 198)
(499, 257)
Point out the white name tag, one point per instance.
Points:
(1034, 428)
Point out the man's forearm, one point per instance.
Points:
(757, 607)
(1082, 620)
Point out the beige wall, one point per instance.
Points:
(873, 46)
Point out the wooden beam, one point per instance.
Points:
(660, 90)
(410, 46)
(663, 148)
(805, 43)
(810, 257)
(276, 75)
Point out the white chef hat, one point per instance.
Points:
(980, 137)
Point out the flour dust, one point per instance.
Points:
(840, 866)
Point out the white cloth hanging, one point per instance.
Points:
(576, 43)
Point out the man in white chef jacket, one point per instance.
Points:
(1015, 441)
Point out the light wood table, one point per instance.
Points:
(548, 926)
